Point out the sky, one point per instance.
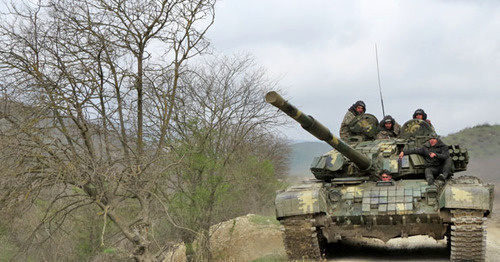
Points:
(442, 56)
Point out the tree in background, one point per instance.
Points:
(77, 76)
(228, 159)
(115, 136)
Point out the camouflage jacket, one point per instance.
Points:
(349, 116)
(384, 133)
(344, 127)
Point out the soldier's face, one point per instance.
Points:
(388, 125)
(419, 116)
(433, 141)
(386, 177)
(359, 109)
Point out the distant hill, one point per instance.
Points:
(482, 142)
(303, 154)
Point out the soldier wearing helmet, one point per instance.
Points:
(356, 109)
(420, 114)
(388, 128)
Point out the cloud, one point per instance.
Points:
(442, 56)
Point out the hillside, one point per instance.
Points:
(482, 142)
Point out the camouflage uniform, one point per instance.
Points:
(349, 116)
(384, 133)
(420, 111)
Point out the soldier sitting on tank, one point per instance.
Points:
(437, 158)
(420, 114)
(388, 128)
(356, 109)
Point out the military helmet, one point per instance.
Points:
(359, 103)
(420, 112)
(433, 135)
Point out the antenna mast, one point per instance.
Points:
(379, 87)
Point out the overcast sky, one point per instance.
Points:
(442, 56)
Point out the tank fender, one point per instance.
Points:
(301, 200)
(465, 196)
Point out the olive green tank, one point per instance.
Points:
(346, 198)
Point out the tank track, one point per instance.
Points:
(468, 236)
(301, 238)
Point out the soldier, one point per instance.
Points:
(437, 158)
(385, 175)
(388, 128)
(356, 109)
(420, 114)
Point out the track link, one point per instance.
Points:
(301, 237)
(468, 236)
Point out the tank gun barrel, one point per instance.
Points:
(318, 130)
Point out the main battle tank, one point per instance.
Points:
(346, 198)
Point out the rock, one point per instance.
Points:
(246, 238)
(176, 254)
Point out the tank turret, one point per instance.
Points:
(319, 130)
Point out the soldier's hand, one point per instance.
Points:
(432, 154)
(401, 154)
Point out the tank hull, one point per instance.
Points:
(330, 211)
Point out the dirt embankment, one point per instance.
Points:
(245, 238)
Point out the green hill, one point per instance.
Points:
(483, 144)
(481, 141)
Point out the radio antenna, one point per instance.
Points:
(379, 86)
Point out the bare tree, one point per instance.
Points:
(88, 90)
(229, 159)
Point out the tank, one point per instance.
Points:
(345, 198)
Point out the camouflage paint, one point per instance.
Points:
(461, 195)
